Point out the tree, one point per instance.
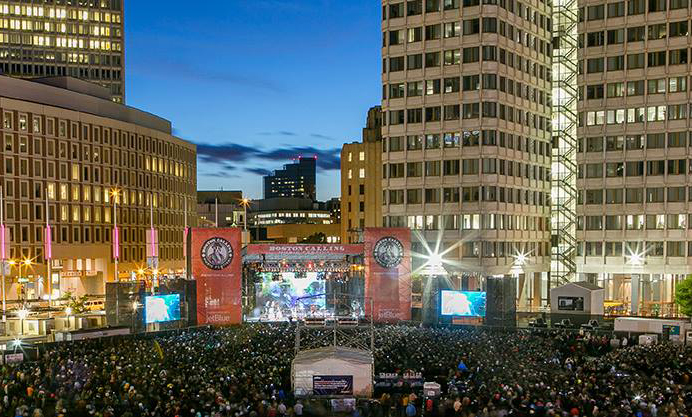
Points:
(316, 238)
(683, 296)
(76, 304)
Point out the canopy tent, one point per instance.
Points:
(333, 371)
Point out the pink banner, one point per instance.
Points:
(116, 243)
(388, 274)
(48, 244)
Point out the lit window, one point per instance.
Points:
(350, 157)
(361, 156)
(350, 174)
(361, 173)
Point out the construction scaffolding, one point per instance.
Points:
(564, 143)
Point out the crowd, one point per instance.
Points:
(245, 371)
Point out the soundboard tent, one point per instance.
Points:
(333, 371)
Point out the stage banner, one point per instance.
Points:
(388, 274)
(217, 268)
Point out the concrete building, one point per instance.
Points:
(231, 212)
(81, 39)
(64, 139)
(295, 180)
(361, 181)
(634, 235)
(301, 233)
(466, 136)
(273, 211)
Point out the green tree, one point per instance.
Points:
(683, 296)
(316, 238)
(77, 304)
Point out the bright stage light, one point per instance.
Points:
(636, 259)
(68, 311)
(23, 313)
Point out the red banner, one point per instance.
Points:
(216, 266)
(388, 274)
(304, 249)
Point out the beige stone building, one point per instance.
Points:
(466, 141)
(65, 139)
(361, 181)
(634, 157)
(82, 39)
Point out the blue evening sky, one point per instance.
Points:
(255, 83)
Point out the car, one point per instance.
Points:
(94, 305)
(591, 325)
(564, 324)
(538, 323)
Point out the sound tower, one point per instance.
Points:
(120, 299)
(432, 285)
(501, 307)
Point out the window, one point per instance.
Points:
(656, 86)
(451, 167)
(635, 34)
(471, 55)
(489, 25)
(432, 195)
(677, 29)
(414, 196)
(489, 53)
(432, 168)
(635, 88)
(595, 39)
(414, 169)
(471, 82)
(594, 91)
(635, 61)
(451, 85)
(432, 59)
(657, 31)
(677, 139)
(616, 36)
(450, 4)
(595, 12)
(634, 222)
(676, 194)
(677, 84)
(594, 197)
(657, 5)
(396, 37)
(613, 222)
(432, 141)
(656, 59)
(432, 6)
(414, 143)
(396, 144)
(396, 10)
(452, 29)
(616, 9)
(433, 32)
(636, 7)
(677, 56)
(414, 35)
(433, 114)
(675, 249)
(614, 143)
(396, 117)
(615, 90)
(471, 110)
(634, 195)
(396, 64)
(451, 57)
(655, 195)
(414, 62)
(594, 65)
(616, 63)
(655, 168)
(678, 4)
(414, 7)
(450, 195)
(414, 89)
(396, 90)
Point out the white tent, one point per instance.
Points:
(333, 371)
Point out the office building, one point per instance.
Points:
(466, 135)
(81, 39)
(361, 181)
(64, 139)
(634, 236)
(295, 180)
(272, 211)
(227, 204)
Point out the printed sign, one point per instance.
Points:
(332, 385)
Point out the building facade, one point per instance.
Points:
(634, 157)
(466, 141)
(296, 180)
(85, 153)
(81, 39)
(361, 181)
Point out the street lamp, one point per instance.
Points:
(245, 202)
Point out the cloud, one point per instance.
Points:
(258, 171)
(279, 133)
(220, 175)
(179, 69)
(229, 153)
(321, 136)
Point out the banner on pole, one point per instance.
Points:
(217, 268)
(388, 273)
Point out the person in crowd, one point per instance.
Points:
(245, 371)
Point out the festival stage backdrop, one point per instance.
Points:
(388, 273)
(217, 268)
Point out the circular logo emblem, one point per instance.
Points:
(217, 253)
(388, 252)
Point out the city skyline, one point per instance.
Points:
(322, 49)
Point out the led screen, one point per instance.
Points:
(288, 294)
(462, 303)
(161, 308)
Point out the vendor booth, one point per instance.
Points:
(333, 371)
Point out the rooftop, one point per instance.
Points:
(78, 95)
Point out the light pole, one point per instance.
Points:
(3, 253)
(245, 202)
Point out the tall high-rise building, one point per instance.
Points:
(634, 230)
(77, 38)
(361, 181)
(467, 141)
(294, 180)
(66, 147)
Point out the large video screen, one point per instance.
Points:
(280, 295)
(462, 303)
(161, 308)
(570, 303)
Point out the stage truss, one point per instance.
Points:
(342, 331)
